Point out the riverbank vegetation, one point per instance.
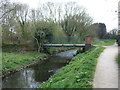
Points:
(12, 61)
(78, 73)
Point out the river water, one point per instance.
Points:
(33, 76)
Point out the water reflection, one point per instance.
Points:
(35, 75)
(67, 54)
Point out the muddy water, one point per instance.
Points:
(35, 75)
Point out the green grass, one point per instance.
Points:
(118, 59)
(12, 61)
(78, 73)
(104, 42)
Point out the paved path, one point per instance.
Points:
(106, 75)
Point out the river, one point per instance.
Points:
(33, 76)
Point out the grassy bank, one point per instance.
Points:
(12, 61)
(78, 73)
(16, 56)
(104, 42)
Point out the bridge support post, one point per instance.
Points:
(87, 42)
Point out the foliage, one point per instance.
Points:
(48, 32)
(113, 34)
(99, 29)
(12, 61)
(16, 48)
(78, 73)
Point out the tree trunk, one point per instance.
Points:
(38, 44)
(39, 47)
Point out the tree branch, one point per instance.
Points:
(6, 13)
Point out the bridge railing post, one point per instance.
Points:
(87, 42)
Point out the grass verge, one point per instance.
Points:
(12, 61)
(104, 42)
(78, 73)
(118, 59)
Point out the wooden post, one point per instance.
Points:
(87, 42)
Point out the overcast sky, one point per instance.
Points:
(103, 11)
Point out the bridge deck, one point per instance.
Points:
(64, 45)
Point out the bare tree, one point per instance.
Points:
(21, 17)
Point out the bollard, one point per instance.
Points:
(87, 42)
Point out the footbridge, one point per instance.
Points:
(64, 45)
(85, 46)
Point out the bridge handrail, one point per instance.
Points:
(63, 44)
